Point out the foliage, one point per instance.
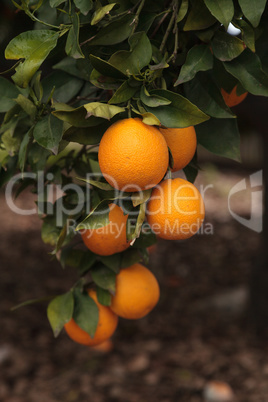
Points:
(86, 64)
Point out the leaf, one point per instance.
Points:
(72, 47)
(199, 17)
(140, 54)
(79, 68)
(180, 113)
(60, 311)
(226, 47)
(48, 132)
(223, 10)
(26, 105)
(23, 149)
(247, 69)
(115, 32)
(85, 136)
(146, 239)
(86, 312)
(104, 82)
(105, 68)
(248, 34)
(130, 256)
(56, 3)
(97, 218)
(102, 110)
(183, 10)
(137, 229)
(140, 197)
(64, 85)
(150, 119)
(190, 172)
(50, 232)
(252, 10)
(104, 296)
(84, 5)
(204, 93)
(101, 12)
(220, 137)
(123, 93)
(103, 277)
(199, 58)
(112, 261)
(8, 94)
(71, 257)
(98, 184)
(34, 47)
(152, 100)
(76, 117)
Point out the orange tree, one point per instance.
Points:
(87, 65)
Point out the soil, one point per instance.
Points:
(198, 332)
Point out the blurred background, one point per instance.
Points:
(206, 341)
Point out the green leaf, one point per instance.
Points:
(86, 312)
(223, 10)
(104, 82)
(115, 32)
(76, 117)
(60, 311)
(100, 13)
(152, 100)
(71, 257)
(180, 113)
(104, 296)
(102, 110)
(204, 93)
(139, 222)
(199, 17)
(86, 136)
(248, 34)
(97, 218)
(123, 93)
(99, 184)
(252, 10)
(112, 261)
(72, 47)
(220, 137)
(248, 70)
(48, 132)
(34, 47)
(140, 197)
(23, 149)
(65, 86)
(105, 68)
(50, 232)
(183, 10)
(84, 5)
(56, 3)
(26, 105)
(8, 94)
(191, 173)
(130, 256)
(103, 277)
(79, 68)
(199, 58)
(226, 47)
(140, 54)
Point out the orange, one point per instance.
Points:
(109, 239)
(133, 156)
(106, 326)
(137, 292)
(232, 99)
(182, 144)
(104, 347)
(175, 209)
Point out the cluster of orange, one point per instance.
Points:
(134, 157)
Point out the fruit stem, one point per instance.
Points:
(129, 109)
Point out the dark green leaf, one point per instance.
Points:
(140, 54)
(88, 260)
(23, 149)
(190, 172)
(8, 94)
(50, 232)
(204, 93)
(104, 296)
(220, 137)
(252, 10)
(180, 113)
(60, 311)
(65, 86)
(84, 5)
(86, 136)
(223, 10)
(226, 47)
(101, 81)
(56, 3)
(48, 132)
(112, 262)
(80, 68)
(152, 100)
(71, 257)
(248, 34)
(147, 238)
(123, 93)
(26, 105)
(34, 47)
(199, 17)
(72, 47)
(130, 256)
(183, 10)
(105, 68)
(76, 117)
(115, 32)
(199, 58)
(97, 218)
(86, 312)
(247, 69)
(103, 277)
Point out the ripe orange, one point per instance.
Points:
(137, 292)
(182, 143)
(109, 239)
(175, 210)
(133, 156)
(106, 326)
(232, 99)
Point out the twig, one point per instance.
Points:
(176, 33)
(160, 23)
(174, 14)
(136, 18)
